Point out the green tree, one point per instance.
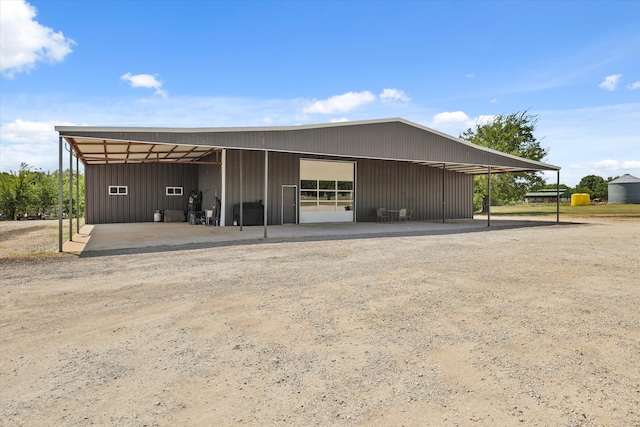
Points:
(16, 192)
(595, 186)
(35, 192)
(7, 197)
(512, 134)
(45, 195)
(78, 208)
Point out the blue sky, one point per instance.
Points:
(442, 64)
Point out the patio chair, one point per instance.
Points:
(382, 215)
(402, 215)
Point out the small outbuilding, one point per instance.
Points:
(547, 195)
(625, 189)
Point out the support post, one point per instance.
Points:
(489, 197)
(558, 199)
(241, 195)
(443, 201)
(70, 194)
(77, 195)
(60, 209)
(266, 190)
(223, 188)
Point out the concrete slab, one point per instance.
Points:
(159, 236)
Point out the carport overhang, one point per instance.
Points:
(135, 145)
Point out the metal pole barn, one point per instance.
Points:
(60, 194)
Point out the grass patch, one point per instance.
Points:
(544, 209)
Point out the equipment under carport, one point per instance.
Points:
(252, 213)
(173, 215)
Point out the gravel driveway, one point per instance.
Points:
(533, 326)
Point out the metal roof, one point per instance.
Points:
(625, 179)
(546, 193)
(385, 139)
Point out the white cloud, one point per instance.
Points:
(611, 82)
(25, 131)
(634, 85)
(455, 122)
(471, 75)
(390, 95)
(606, 164)
(484, 119)
(32, 142)
(340, 120)
(340, 103)
(450, 117)
(25, 42)
(147, 81)
(607, 167)
(630, 164)
(493, 101)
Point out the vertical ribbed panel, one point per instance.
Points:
(209, 182)
(283, 170)
(397, 185)
(388, 184)
(146, 190)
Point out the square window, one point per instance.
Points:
(118, 190)
(173, 191)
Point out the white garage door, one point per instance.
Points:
(326, 191)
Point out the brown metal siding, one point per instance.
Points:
(146, 191)
(284, 169)
(389, 184)
(397, 185)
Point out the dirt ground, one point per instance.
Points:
(528, 326)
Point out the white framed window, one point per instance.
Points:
(118, 190)
(173, 191)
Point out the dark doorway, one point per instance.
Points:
(289, 204)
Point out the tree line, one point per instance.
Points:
(31, 194)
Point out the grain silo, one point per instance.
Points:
(625, 189)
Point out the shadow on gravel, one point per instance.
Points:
(330, 237)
